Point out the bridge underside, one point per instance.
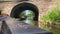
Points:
(18, 9)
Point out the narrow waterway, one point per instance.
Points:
(54, 29)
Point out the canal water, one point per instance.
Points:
(54, 29)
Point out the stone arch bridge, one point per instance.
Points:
(39, 7)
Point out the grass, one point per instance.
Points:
(53, 15)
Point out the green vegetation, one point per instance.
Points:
(27, 14)
(53, 15)
(52, 21)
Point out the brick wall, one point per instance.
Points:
(44, 6)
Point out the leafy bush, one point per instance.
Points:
(54, 16)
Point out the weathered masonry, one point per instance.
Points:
(39, 7)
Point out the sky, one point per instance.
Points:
(27, 11)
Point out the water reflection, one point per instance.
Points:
(28, 21)
(54, 29)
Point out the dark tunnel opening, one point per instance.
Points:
(24, 6)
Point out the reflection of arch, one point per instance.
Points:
(24, 6)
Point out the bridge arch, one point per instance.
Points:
(16, 10)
